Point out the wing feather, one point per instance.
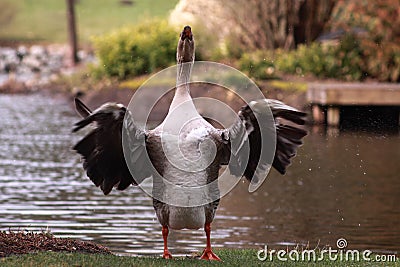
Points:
(102, 149)
(82, 109)
(248, 154)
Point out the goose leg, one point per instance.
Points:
(166, 254)
(207, 253)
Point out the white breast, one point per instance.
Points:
(188, 156)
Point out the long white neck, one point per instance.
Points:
(182, 109)
(182, 92)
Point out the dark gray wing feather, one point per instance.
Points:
(81, 108)
(102, 149)
(245, 138)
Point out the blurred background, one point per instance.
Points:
(338, 60)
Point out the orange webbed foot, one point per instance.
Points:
(209, 255)
(167, 255)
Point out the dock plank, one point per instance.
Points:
(379, 94)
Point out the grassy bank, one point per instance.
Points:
(45, 20)
(230, 257)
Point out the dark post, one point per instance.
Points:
(72, 39)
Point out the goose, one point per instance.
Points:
(185, 151)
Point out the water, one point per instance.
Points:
(341, 185)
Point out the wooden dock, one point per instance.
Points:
(327, 98)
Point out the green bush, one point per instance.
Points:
(136, 50)
(350, 55)
(373, 52)
(258, 65)
(340, 61)
(380, 45)
(382, 60)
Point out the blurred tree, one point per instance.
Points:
(381, 46)
(8, 11)
(257, 24)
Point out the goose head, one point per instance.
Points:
(185, 49)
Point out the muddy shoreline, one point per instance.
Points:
(22, 242)
(116, 93)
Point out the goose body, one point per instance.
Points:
(176, 161)
(185, 151)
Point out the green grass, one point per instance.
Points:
(45, 20)
(230, 257)
(289, 85)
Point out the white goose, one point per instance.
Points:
(183, 138)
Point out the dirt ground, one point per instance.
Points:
(20, 242)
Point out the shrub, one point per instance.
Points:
(136, 50)
(258, 65)
(381, 46)
(342, 61)
(349, 55)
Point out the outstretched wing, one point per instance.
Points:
(102, 149)
(245, 138)
(288, 137)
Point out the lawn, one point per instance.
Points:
(230, 257)
(45, 20)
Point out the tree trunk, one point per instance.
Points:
(315, 14)
(72, 36)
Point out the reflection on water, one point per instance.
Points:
(340, 185)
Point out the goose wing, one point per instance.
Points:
(102, 151)
(245, 148)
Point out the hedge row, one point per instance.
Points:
(136, 50)
(352, 59)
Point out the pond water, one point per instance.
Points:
(341, 185)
